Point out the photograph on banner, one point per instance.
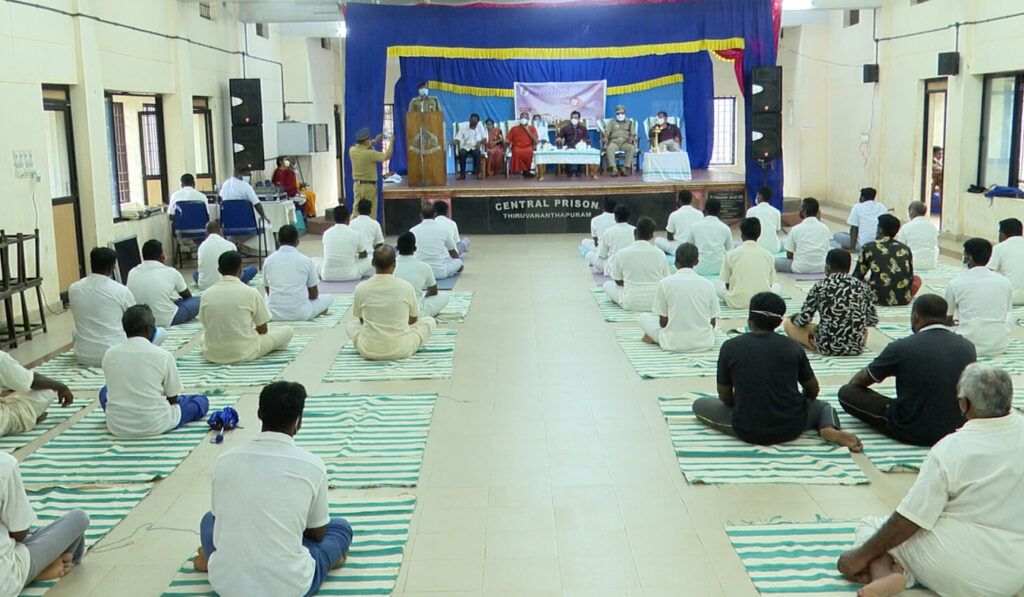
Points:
(555, 101)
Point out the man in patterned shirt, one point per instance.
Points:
(845, 308)
(888, 265)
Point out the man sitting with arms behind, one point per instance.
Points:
(235, 318)
(269, 530)
(960, 529)
(388, 325)
(748, 269)
(441, 216)
(636, 271)
(926, 365)
(600, 223)
(33, 393)
(345, 251)
(210, 250)
(143, 393)
(807, 243)
(863, 222)
(435, 245)
(616, 237)
(921, 236)
(770, 218)
(155, 284)
(982, 300)
(420, 276)
(685, 308)
(679, 223)
(291, 281)
(1008, 256)
(373, 236)
(758, 372)
(712, 237)
(888, 265)
(845, 308)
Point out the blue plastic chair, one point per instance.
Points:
(190, 220)
(238, 218)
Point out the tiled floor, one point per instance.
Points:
(548, 470)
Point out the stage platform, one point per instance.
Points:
(500, 205)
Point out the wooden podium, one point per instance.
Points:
(424, 136)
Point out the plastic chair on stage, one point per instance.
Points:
(190, 220)
(238, 218)
(478, 170)
(602, 125)
(561, 167)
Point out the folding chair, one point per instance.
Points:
(190, 220)
(238, 218)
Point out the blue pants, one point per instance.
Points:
(247, 274)
(325, 553)
(193, 406)
(188, 309)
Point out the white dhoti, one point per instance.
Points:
(19, 412)
(446, 268)
(669, 246)
(430, 306)
(651, 325)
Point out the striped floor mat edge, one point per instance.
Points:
(197, 373)
(434, 361)
(55, 415)
(457, 309)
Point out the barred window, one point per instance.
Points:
(724, 151)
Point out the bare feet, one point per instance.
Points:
(58, 569)
(341, 562)
(648, 339)
(842, 438)
(199, 562)
(887, 586)
(42, 418)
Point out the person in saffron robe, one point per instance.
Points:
(521, 139)
(495, 148)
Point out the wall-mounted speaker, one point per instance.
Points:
(766, 89)
(248, 145)
(949, 64)
(766, 135)
(870, 73)
(246, 101)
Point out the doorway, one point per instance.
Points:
(67, 211)
(933, 148)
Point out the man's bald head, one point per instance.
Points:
(213, 227)
(384, 259)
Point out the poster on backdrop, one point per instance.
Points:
(555, 101)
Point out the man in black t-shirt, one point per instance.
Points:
(927, 366)
(758, 400)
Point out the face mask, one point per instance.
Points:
(574, 121)
(661, 121)
(536, 121)
(287, 164)
(620, 117)
(423, 92)
(524, 121)
(246, 179)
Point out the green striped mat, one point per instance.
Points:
(85, 454)
(55, 415)
(198, 373)
(65, 369)
(708, 456)
(942, 271)
(726, 312)
(797, 558)
(434, 361)
(457, 308)
(366, 440)
(334, 315)
(1011, 360)
(380, 531)
(106, 508)
(610, 311)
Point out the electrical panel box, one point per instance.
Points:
(301, 138)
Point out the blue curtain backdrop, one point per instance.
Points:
(709, 24)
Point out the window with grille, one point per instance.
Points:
(205, 10)
(1001, 159)
(263, 30)
(150, 137)
(120, 153)
(851, 18)
(388, 127)
(724, 151)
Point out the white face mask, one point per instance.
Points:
(423, 92)
(287, 164)
(574, 121)
(246, 179)
(536, 121)
(661, 120)
(524, 121)
(620, 117)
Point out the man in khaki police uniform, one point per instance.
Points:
(620, 134)
(364, 159)
(423, 102)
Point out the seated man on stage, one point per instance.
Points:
(522, 139)
(421, 277)
(620, 135)
(470, 142)
(570, 136)
(637, 270)
(441, 215)
(33, 393)
(666, 136)
(345, 251)
(495, 148)
(679, 223)
(685, 308)
(291, 281)
(436, 245)
(284, 178)
(388, 325)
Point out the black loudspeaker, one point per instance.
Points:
(949, 64)
(870, 73)
(766, 89)
(246, 101)
(766, 134)
(250, 138)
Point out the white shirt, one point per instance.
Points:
(97, 304)
(690, 302)
(139, 379)
(452, 226)
(748, 269)
(185, 194)
(235, 188)
(983, 300)
(470, 138)
(433, 241)
(864, 216)
(415, 272)
(640, 267)
(342, 246)
(385, 304)
(809, 242)
(230, 312)
(923, 239)
(681, 220)
(208, 254)
(16, 515)
(265, 494)
(771, 223)
(1008, 259)
(967, 501)
(369, 228)
(13, 376)
(713, 239)
(157, 285)
(289, 275)
(601, 222)
(616, 237)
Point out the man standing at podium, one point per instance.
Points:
(423, 102)
(364, 159)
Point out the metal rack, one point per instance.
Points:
(15, 282)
